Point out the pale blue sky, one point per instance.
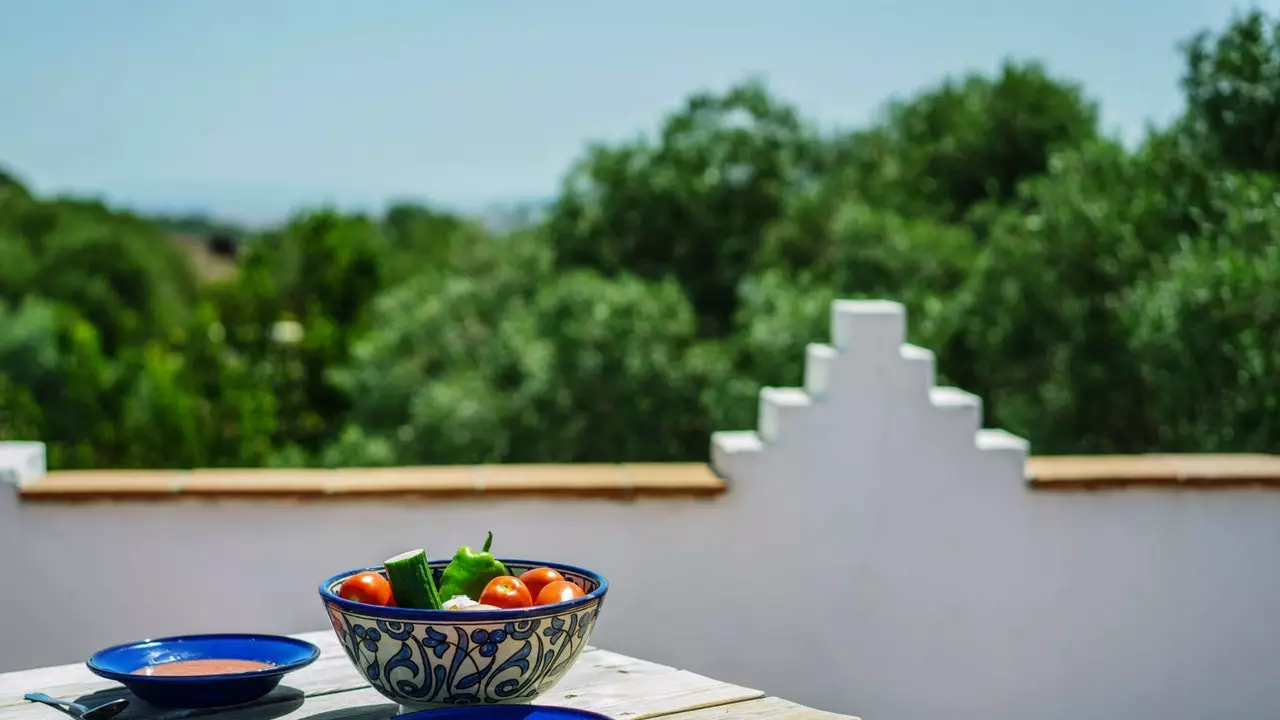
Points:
(250, 107)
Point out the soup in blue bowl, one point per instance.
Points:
(203, 671)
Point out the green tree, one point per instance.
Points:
(1232, 86)
(53, 356)
(295, 308)
(616, 379)
(1205, 336)
(117, 270)
(422, 238)
(965, 141)
(441, 370)
(1034, 331)
(694, 203)
(835, 240)
(515, 363)
(195, 402)
(1037, 328)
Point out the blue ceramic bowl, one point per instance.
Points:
(122, 662)
(430, 659)
(505, 712)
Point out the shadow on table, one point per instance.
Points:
(282, 701)
(277, 703)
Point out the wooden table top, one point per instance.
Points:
(615, 685)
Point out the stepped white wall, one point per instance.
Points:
(878, 554)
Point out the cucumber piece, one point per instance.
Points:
(411, 582)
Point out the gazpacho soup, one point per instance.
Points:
(204, 666)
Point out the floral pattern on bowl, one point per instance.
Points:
(426, 659)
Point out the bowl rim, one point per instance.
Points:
(313, 654)
(503, 712)
(382, 612)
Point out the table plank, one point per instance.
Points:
(658, 691)
(621, 687)
(768, 708)
(646, 697)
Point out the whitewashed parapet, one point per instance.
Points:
(868, 365)
(21, 462)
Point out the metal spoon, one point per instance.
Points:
(76, 710)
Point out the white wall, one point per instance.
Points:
(876, 554)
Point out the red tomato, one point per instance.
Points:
(538, 578)
(506, 592)
(558, 591)
(367, 587)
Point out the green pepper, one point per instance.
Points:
(469, 571)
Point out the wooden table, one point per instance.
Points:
(621, 687)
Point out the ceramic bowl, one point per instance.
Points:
(122, 663)
(504, 712)
(430, 659)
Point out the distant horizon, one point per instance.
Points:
(256, 208)
(268, 216)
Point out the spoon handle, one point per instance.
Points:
(75, 710)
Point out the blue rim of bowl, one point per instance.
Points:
(313, 654)
(480, 711)
(537, 611)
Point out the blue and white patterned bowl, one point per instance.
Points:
(428, 659)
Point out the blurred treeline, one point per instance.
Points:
(1101, 297)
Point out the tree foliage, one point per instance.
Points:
(968, 140)
(1230, 83)
(1099, 297)
(692, 204)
